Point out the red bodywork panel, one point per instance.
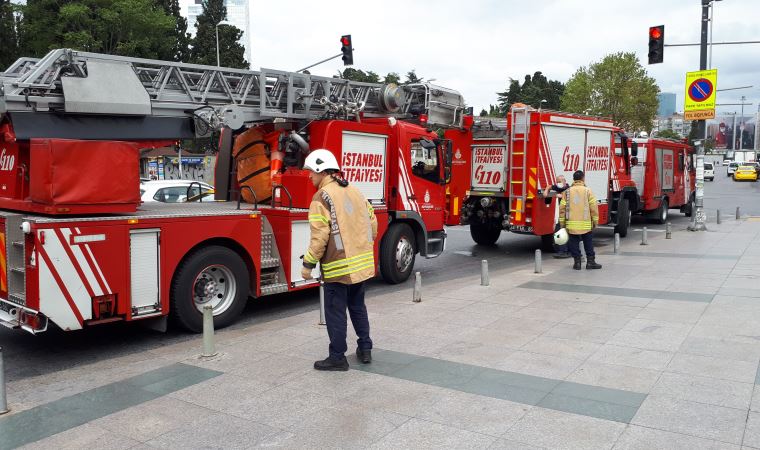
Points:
(665, 169)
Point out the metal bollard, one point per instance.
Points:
(668, 231)
(209, 349)
(717, 217)
(538, 262)
(322, 303)
(738, 214)
(484, 280)
(644, 237)
(417, 294)
(3, 400)
(616, 244)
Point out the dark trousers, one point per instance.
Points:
(559, 248)
(588, 244)
(338, 298)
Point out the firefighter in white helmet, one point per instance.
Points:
(343, 230)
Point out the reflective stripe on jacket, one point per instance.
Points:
(343, 230)
(582, 214)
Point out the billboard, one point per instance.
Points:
(733, 132)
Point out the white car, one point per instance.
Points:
(709, 172)
(171, 191)
(732, 166)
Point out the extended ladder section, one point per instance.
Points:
(518, 146)
(74, 82)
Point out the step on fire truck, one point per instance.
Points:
(508, 173)
(664, 173)
(78, 249)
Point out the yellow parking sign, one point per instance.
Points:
(700, 90)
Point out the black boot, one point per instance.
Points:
(332, 364)
(577, 263)
(364, 356)
(591, 263)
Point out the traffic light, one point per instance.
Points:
(656, 44)
(347, 49)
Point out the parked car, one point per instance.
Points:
(732, 166)
(709, 172)
(745, 172)
(725, 162)
(172, 191)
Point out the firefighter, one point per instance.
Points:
(579, 214)
(343, 230)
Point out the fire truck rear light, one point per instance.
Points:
(132, 221)
(32, 321)
(423, 118)
(42, 237)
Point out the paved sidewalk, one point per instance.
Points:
(659, 349)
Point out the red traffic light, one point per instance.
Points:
(655, 32)
(345, 40)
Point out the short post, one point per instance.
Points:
(738, 213)
(717, 218)
(644, 240)
(538, 262)
(417, 295)
(668, 231)
(484, 281)
(209, 349)
(616, 244)
(3, 400)
(322, 303)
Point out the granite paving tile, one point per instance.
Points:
(422, 434)
(722, 368)
(631, 356)
(731, 394)
(642, 438)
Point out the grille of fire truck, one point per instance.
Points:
(80, 82)
(517, 161)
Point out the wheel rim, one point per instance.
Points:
(404, 254)
(215, 285)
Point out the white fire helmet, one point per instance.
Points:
(320, 160)
(561, 237)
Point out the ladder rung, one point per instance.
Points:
(518, 153)
(517, 182)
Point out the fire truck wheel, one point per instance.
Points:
(484, 234)
(215, 276)
(623, 218)
(662, 212)
(397, 252)
(690, 209)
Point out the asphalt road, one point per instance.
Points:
(27, 355)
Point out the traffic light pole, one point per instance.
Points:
(320, 62)
(699, 214)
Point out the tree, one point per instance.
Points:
(668, 134)
(617, 87)
(359, 75)
(180, 51)
(123, 27)
(9, 49)
(231, 52)
(532, 91)
(483, 113)
(411, 77)
(392, 78)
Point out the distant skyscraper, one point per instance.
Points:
(237, 14)
(667, 104)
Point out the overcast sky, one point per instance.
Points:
(475, 46)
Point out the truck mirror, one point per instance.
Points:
(427, 144)
(634, 161)
(634, 150)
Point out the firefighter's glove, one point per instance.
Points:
(306, 273)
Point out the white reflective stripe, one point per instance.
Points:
(97, 266)
(408, 182)
(86, 269)
(69, 276)
(52, 301)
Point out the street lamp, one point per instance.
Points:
(223, 22)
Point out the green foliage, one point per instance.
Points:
(483, 113)
(231, 52)
(9, 51)
(411, 78)
(136, 28)
(392, 78)
(617, 87)
(359, 75)
(533, 89)
(668, 134)
(180, 51)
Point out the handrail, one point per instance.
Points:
(200, 191)
(255, 199)
(274, 191)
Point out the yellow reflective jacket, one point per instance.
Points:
(343, 230)
(582, 214)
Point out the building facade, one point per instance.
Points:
(673, 122)
(667, 104)
(238, 14)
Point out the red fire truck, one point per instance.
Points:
(509, 173)
(664, 173)
(76, 246)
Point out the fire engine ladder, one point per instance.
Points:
(518, 147)
(68, 81)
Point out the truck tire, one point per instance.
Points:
(623, 218)
(397, 253)
(662, 212)
(484, 234)
(212, 275)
